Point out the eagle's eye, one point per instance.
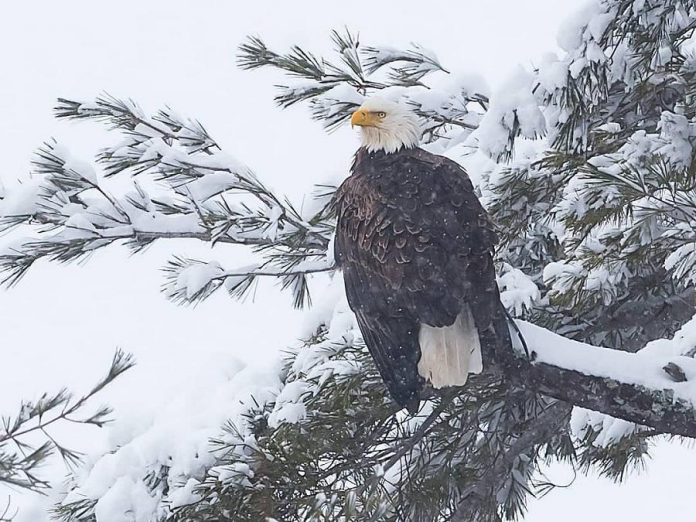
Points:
(381, 114)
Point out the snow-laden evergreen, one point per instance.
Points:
(586, 164)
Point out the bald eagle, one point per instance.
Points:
(415, 247)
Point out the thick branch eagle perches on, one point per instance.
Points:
(416, 249)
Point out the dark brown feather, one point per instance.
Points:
(415, 246)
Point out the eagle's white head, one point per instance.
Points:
(386, 125)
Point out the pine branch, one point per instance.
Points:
(334, 89)
(558, 371)
(473, 499)
(190, 281)
(409, 66)
(18, 467)
(658, 409)
(202, 194)
(120, 114)
(652, 311)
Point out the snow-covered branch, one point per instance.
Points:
(654, 387)
(451, 105)
(191, 280)
(181, 186)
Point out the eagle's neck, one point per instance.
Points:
(364, 157)
(401, 132)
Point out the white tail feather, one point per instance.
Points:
(449, 354)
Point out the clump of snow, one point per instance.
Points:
(289, 407)
(126, 499)
(561, 274)
(192, 279)
(553, 73)
(676, 133)
(80, 225)
(588, 22)
(517, 290)
(681, 262)
(212, 184)
(609, 430)
(22, 198)
(83, 169)
(324, 308)
(238, 473)
(513, 110)
(273, 216)
(611, 128)
(185, 495)
(330, 102)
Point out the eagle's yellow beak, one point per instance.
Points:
(364, 118)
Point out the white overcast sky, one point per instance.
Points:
(61, 324)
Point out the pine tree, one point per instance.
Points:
(586, 164)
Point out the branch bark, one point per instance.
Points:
(635, 403)
(204, 235)
(629, 386)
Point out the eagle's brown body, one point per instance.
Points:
(415, 246)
